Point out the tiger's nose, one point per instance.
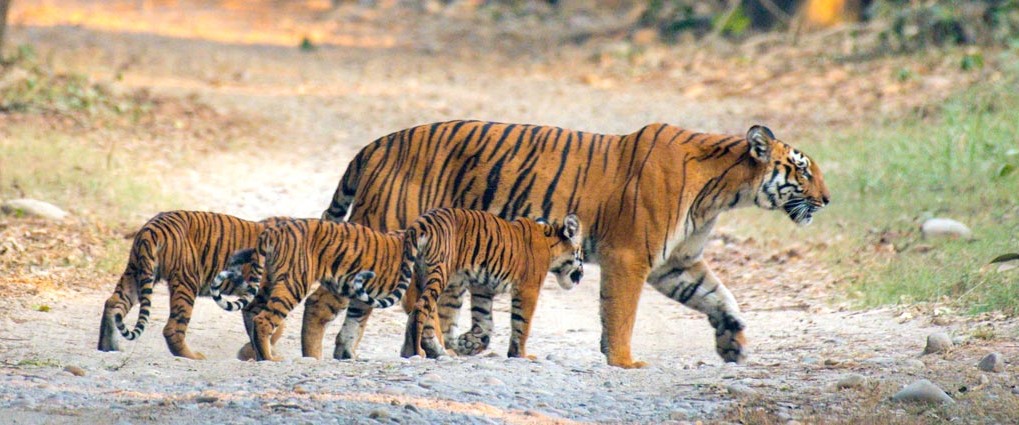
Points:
(826, 199)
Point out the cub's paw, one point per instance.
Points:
(730, 341)
(470, 344)
(631, 364)
(246, 353)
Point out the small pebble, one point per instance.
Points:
(412, 408)
(300, 390)
(992, 363)
(679, 415)
(937, 342)
(914, 365)
(379, 414)
(74, 370)
(945, 227)
(739, 390)
(853, 380)
(206, 399)
(491, 380)
(922, 391)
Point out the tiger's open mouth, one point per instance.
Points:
(801, 210)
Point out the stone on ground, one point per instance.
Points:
(992, 363)
(853, 380)
(33, 207)
(75, 370)
(922, 391)
(945, 227)
(937, 342)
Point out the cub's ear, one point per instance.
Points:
(240, 257)
(571, 228)
(761, 139)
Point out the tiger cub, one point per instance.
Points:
(490, 256)
(185, 248)
(290, 257)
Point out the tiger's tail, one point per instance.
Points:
(343, 198)
(359, 282)
(245, 290)
(142, 265)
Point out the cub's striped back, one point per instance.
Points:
(187, 249)
(291, 256)
(489, 255)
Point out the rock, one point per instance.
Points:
(491, 380)
(922, 391)
(74, 370)
(739, 390)
(206, 399)
(853, 380)
(412, 408)
(914, 365)
(945, 227)
(937, 342)
(379, 414)
(300, 390)
(810, 360)
(679, 415)
(33, 207)
(992, 363)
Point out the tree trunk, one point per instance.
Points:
(4, 6)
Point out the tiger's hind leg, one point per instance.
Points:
(124, 297)
(477, 339)
(182, 303)
(264, 317)
(450, 304)
(248, 353)
(352, 331)
(320, 309)
(697, 287)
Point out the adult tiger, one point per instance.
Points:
(649, 199)
(185, 248)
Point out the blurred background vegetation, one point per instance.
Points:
(902, 25)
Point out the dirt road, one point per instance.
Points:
(317, 109)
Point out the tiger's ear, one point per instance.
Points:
(240, 257)
(571, 228)
(761, 139)
(541, 220)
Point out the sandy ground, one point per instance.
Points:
(317, 109)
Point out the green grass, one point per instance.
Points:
(961, 162)
(74, 174)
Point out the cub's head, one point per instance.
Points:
(567, 253)
(792, 181)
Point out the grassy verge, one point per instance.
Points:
(56, 167)
(960, 162)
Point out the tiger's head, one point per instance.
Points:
(567, 263)
(792, 181)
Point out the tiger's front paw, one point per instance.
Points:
(730, 341)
